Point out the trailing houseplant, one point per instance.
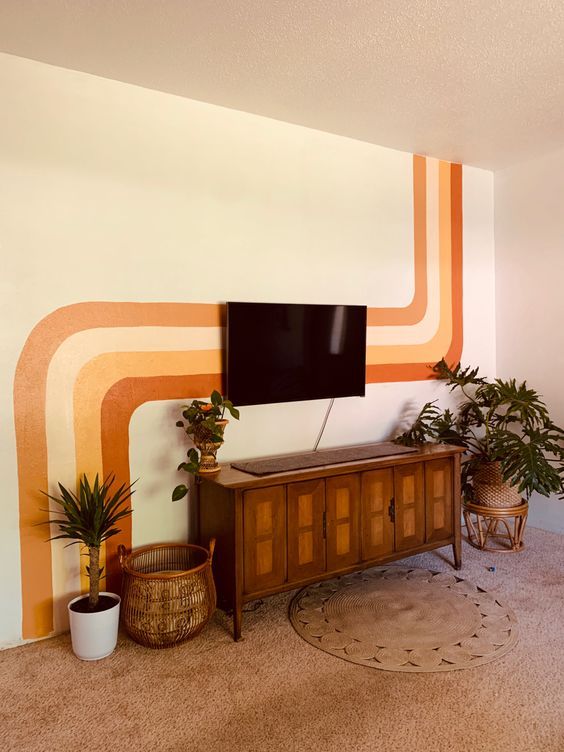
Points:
(204, 423)
(89, 517)
(506, 430)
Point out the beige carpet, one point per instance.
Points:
(273, 691)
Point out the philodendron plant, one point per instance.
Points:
(90, 517)
(496, 421)
(204, 423)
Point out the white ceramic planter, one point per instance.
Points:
(94, 636)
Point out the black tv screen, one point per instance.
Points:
(283, 352)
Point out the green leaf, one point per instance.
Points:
(524, 463)
(455, 375)
(216, 398)
(179, 492)
(233, 410)
(180, 424)
(422, 429)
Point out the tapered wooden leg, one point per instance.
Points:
(237, 621)
(457, 552)
(239, 568)
(457, 545)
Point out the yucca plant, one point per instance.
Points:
(89, 517)
(497, 421)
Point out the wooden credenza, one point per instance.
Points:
(286, 530)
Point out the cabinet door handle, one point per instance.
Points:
(325, 524)
(392, 509)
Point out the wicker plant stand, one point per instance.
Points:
(168, 593)
(497, 529)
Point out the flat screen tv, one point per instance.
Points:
(284, 352)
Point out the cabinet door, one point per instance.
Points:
(438, 499)
(409, 506)
(377, 527)
(306, 542)
(264, 538)
(343, 518)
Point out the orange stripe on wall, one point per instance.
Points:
(415, 311)
(118, 406)
(439, 343)
(29, 418)
(98, 375)
(380, 373)
(454, 353)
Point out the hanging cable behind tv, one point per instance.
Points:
(324, 424)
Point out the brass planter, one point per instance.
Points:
(208, 449)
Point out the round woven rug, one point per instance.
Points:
(404, 619)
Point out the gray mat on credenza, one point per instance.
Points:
(318, 459)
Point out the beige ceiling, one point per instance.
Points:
(477, 81)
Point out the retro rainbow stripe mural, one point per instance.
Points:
(91, 365)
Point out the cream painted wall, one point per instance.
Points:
(529, 238)
(113, 192)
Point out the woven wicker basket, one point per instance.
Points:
(491, 490)
(168, 593)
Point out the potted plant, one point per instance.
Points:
(204, 422)
(90, 518)
(512, 446)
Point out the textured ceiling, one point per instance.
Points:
(477, 81)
